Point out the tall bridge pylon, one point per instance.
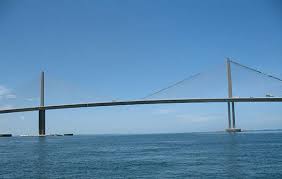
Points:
(231, 118)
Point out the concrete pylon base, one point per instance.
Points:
(233, 130)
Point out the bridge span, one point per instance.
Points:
(230, 100)
(141, 102)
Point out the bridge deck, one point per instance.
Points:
(141, 102)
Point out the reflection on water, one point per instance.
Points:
(40, 153)
(232, 152)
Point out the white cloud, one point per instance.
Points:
(164, 111)
(6, 107)
(198, 118)
(4, 90)
(11, 96)
(32, 99)
(6, 93)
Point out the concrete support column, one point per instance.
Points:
(41, 122)
(41, 111)
(229, 115)
(233, 115)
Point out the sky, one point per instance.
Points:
(105, 50)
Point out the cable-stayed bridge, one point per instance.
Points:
(230, 100)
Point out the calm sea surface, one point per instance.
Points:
(191, 155)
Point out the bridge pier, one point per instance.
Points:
(232, 119)
(41, 119)
(231, 128)
(233, 115)
(229, 115)
(41, 123)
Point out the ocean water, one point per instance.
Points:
(190, 155)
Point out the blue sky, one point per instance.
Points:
(127, 49)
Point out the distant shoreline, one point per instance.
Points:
(132, 134)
